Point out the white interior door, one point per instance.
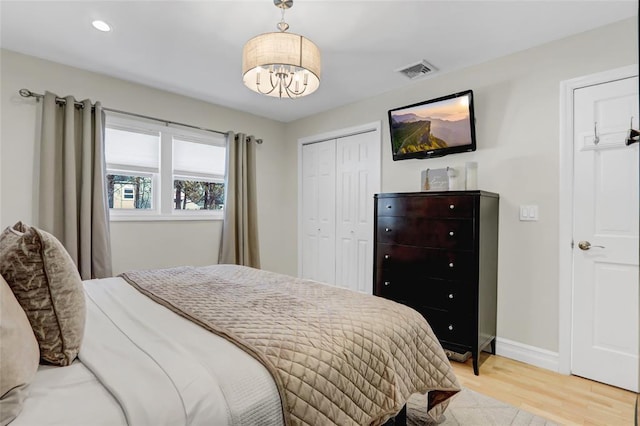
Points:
(605, 320)
(357, 180)
(318, 211)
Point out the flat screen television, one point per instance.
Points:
(433, 128)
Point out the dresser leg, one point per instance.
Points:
(401, 417)
(476, 371)
(493, 346)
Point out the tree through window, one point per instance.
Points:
(129, 192)
(193, 195)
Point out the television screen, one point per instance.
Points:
(433, 128)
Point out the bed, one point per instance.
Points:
(141, 364)
(229, 345)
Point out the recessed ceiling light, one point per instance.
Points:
(101, 26)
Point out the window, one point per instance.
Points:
(163, 172)
(198, 176)
(133, 166)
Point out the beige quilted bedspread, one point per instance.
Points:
(338, 357)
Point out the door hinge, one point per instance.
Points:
(572, 244)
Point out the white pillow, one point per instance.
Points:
(19, 355)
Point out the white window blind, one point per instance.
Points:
(198, 158)
(130, 148)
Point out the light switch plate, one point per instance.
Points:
(529, 213)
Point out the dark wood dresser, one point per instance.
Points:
(438, 253)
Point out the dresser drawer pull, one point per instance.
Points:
(451, 265)
(451, 233)
(450, 327)
(450, 295)
(387, 282)
(387, 229)
(452, 206)
(388, 206)
(387, 256)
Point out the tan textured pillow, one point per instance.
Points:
(19, 355)
(47, 285)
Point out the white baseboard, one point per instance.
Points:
(532, 355)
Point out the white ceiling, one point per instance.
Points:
(194, 47)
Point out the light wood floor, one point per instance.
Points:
(567, 400)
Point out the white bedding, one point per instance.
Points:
(141, 364)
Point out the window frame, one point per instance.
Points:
(162, 178)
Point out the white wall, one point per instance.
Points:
(517, 113)
(141, 244)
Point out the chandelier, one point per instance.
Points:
(281, 64)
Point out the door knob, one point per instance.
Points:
(586, 245)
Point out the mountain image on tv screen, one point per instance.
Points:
(430, 127)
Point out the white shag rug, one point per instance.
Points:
(469, 408)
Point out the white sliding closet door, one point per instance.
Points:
(339, 173)
(357, 180)
(318, 211)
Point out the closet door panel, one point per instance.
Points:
(357, 180)
(318, 211)
(326, 204)
(310, 221)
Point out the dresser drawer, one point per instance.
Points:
(425, 262)
(395, 289)
(450, 328)
(441, 206)
(436, 233)
(452, 296)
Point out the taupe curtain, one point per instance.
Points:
(239, 244)
(72, 196)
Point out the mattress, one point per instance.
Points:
(142, 364)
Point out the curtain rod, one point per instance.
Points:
(26, 93)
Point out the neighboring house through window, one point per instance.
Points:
(155, 171)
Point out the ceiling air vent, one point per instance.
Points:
(417, 70)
